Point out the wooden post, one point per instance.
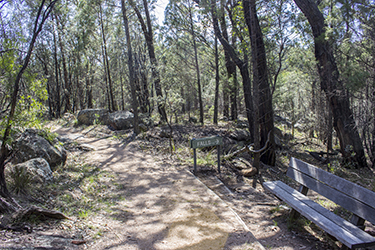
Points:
(218, 158)
(195, 161)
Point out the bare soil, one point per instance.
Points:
(148, 198)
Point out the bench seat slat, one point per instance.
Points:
(344, 231)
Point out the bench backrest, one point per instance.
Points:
(348, 195)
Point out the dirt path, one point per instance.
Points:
(164, 207)
(156, 204)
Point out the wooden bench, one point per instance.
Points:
(356, 199)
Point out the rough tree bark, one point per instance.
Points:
(241, 64)
(67, 86)
(231, 72)
(112, 105)
(330, 82)
(148, 34)
(261, 83)
(192, 31)
(7, 203)
(131, 69)
(56, 62)
(217, 80)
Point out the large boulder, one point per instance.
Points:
(30, 145)
(121, 120)
(38, 168)
(91, 116)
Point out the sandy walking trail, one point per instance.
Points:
(161, 206)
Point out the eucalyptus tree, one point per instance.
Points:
(149, 37)
(181, 17)
(230, 88)
(331, 83)
(242, 64)
(259, 110)
(42, 13)
(364, 53)
(262, 90)
(131, 68)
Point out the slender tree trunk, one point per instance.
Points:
(58, 100)
(122, 93)
(344, 123)
(230, 88)
(131, 68)
(217, 80)
(9, 202)
(112, 106)
(233, 96)
(192, 31)
(242, 65)
(67, 87)
(148, 34)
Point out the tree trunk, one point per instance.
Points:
(148, 34)
(217, 79)
(242, 65)
(67, 87)
(58, 100)
(192, 31)
(260, 77)
(336, 93)
(112, 106)
(8, 202)
(230, 90)
(131, 69)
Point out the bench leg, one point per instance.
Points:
(358, 221)
(294, 215)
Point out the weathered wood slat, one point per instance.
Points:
(357, 207)
(349, 195)
(343, 230)
(350, 188)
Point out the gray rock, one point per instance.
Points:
(38, 168)
(193, 120)
(242, 124)
(91, 116)
(240, 135)
(146, 120)
(30, 145)
(121, 120)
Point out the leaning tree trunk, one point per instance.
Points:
(241, 64)
(148, 34)
(336, 92)
(6, 201)
(260, 77)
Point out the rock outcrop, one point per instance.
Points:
(38, 168)
(31, 145)
(93, 116)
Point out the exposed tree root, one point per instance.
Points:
(41, 212)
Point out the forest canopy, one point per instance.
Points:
(308, 63)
